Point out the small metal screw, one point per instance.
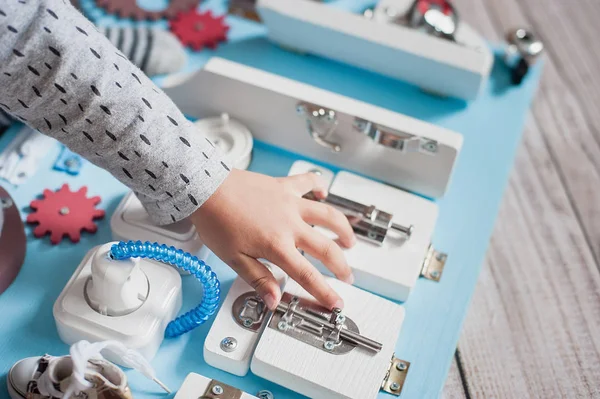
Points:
(316, 172)
(64, 210)
(282, 325)
(430, 146)
(228, 344)
(394, 386)
(401, 366)
(360, 124)
(217, 389)
(264, 394)
(440, 257)
(6, 202)
(247, 322)
(435, 274)
(300, 109)
(391, 12)
(372, 235)
(329, 345)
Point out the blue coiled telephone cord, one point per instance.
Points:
(186, 262)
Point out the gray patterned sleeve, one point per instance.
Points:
(61, 76)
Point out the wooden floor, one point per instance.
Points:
(533, 329)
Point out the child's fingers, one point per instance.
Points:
(305, 274)
(328, 252)
(260, 278)
(305, 183)
(317, 213)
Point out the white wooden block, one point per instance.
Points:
(130, 221)
(238, 361)
(392, 269)
(317, 374)
(301, 167)
(458, 69)
(195, 385)
(267, 104)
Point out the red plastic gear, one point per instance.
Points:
(198, 30)
(65, 213)
(425, 5)
(130, 9)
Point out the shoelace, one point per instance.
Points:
(83, 351)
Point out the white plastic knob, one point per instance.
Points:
(116, 287)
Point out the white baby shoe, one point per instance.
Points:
(82, 374)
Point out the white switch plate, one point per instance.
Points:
(130, 221)
(238, 361)
(194, 386)
(267, 104)
(317, 374)
(392, 269)
(142, 330)
(457, 69)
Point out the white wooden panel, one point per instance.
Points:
(238, 361)
(435, 64)
(318, 374)
(266, 104)
(195, 385)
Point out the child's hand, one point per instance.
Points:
(254, 216)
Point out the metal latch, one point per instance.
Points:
(218, 390)
(367, 221)
(394, 139)
(330, 331)
(249, 311)
(395, 376)
(321, 122)
(433, 264)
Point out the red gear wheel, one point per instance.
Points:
(199, 30)
(65, 212)
(130, 9)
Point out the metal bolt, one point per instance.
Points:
(217, 390)
(64, 210)
(394, 386)
(435, 274)
(264, 394)
(401, 366)
(329, 345)
(282, 325)
(228, 344)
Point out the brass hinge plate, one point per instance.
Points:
(395, 376)
(433, 264)
(218, 390)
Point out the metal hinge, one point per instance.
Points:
(433, 264)
(218, 390)
(395, 376)
(391, 138)
(249, 311)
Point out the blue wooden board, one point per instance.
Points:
(492, 126)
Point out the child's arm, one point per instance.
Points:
(62, 77)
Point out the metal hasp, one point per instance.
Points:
(524, 49)
(218, 390)
(329, 331)
(249, 311)
(395, 376)
(320, 123)
(395, 139)
(368, 222)
(433, 264)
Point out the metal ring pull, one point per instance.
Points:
(316, 115)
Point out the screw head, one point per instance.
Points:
(64, 210)
(316, 172)
(394, 386)
(229, 344)
(282, 325)
(329, 345)
(300, 109)
(6, 202)
(435, 274)
(430, 146)
(401, 366)
(247, 322)
(217, 390)
(264, 394)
